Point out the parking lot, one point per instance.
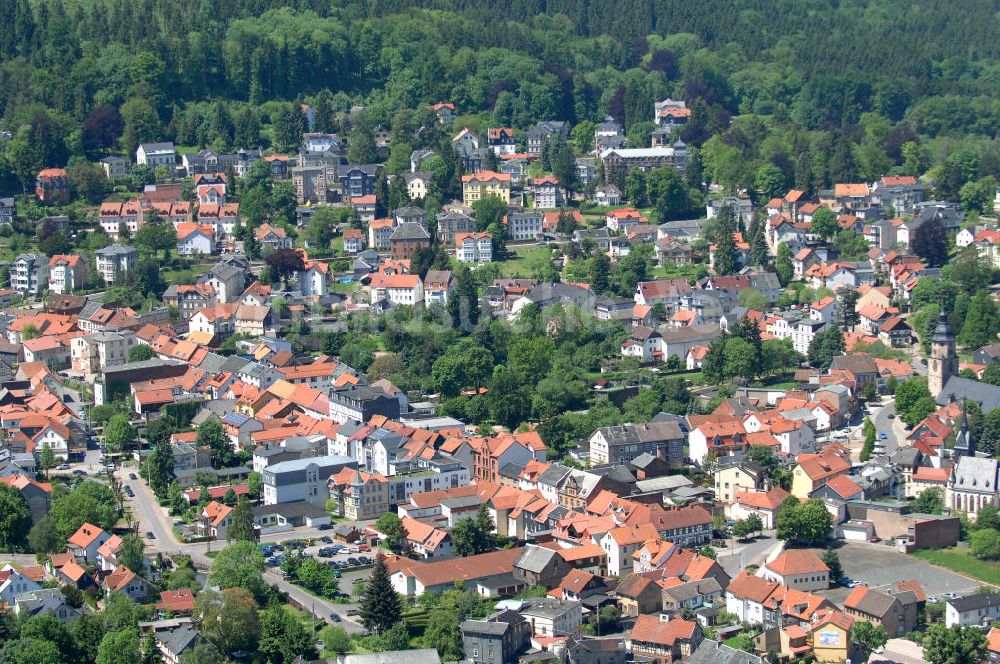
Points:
(343, 557)
(879, 565)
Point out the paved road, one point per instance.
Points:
(151, 517)
(882, 423)
(739, 555)
(19, 559)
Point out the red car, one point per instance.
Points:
(365, 547)
(875, 540)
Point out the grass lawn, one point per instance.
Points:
(184, 275)
(963, 562)
(526, 261)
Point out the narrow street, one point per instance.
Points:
(152, 518)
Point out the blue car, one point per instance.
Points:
(883, 436)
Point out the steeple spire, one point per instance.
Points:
(964, 445)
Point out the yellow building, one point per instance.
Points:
(731, 480)
(815, 470)
(485, 183)
(831, 636)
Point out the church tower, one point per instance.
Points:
(943, 362)
(964, 445)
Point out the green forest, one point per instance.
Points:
(794, 93)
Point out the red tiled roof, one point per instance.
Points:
(797, 561)
(650, 629)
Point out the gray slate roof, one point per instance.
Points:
(958, 389)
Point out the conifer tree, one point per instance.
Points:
(241, 527)
(380, 606)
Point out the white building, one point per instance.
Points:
(474, 247)
(301, 479)
(155, 154)
(66, 273)
(314, 279)
(799, 569)
(115, 260)
(400, 289)
(972, 610)
(554, 617)
(29, 274)
(195, 239)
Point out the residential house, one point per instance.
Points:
(799, 569)
(272, 237)
(398, 289)
(543, 131)
(445, 112)
(29, 274)
(733, 479)
(13, 583)
(66, 273)
(553, 617)
(354, 241)
(814, 470)
(426, 541)
(52, 186)
(85, 542)
(501, 140)
(156, 154)
(438, 286)
(540, 566)
(485, 183)
(522, 226)
(406, 239)
(976, 609)
(357, 179)
(623, 443)
(608, 195)
(115, 261)
(546, 193)
(474, 247)
(896, 613)
(116, 168)
(195, 239)
(314, 279)
(48, 601)
(497, 639)
(638, 594)
(654, 639)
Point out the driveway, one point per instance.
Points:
(880, 565)
(151, 517)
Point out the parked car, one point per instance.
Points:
(353, 611)
(364, 547)
(133, 476)
(326, 539)
(875, 540)
(883, 436)
(933, 599)
(891, 416)
(324, 526)
(150, 535)
(334, 617)
(62, 466)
